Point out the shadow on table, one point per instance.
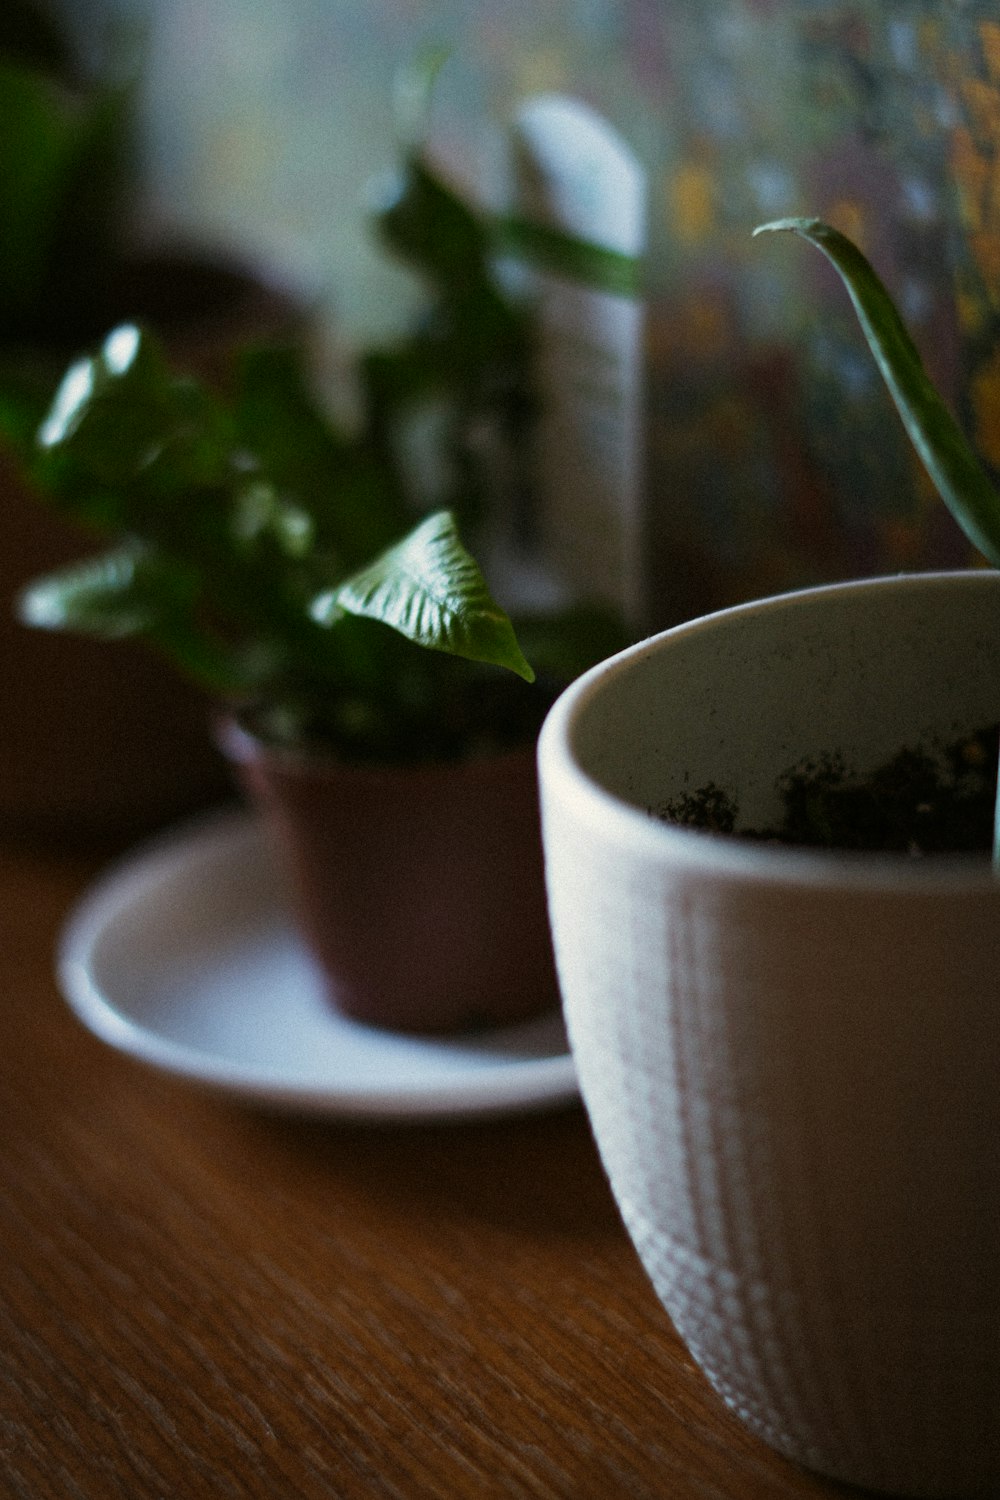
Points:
(538, 1170)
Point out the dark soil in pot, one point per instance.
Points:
(924, 801)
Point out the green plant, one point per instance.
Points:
(65, 164)
(938, 439)
(66, 172)
(292, 563)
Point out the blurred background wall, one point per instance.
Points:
(773, 457)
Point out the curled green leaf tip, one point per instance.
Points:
(799, 225)
(937, 438)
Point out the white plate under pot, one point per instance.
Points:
(184, 956)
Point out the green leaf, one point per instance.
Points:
(36, 142)
(131, 593)
(107, 596)
(95, 208)
(413, 94)
(948, 457)
(214, 665)
(66, 170)
(568, 256)
(942, 446)
(430, 589)
(114, 412)
(259, 511)
(127, 447)
(427, 224)
(348, 494)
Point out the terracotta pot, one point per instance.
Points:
(419, 890)
(99, 739)
(790, 1058)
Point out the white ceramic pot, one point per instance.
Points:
(791, 1059)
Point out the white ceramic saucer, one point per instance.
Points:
(183, 956)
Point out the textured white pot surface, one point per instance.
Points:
(790, 1059)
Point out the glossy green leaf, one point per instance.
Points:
(946, 453)
(115, 411)
(127, 447)
(429, 589)
(107, 596)
(264, 554)
(132, 593)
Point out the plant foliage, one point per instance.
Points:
(938, 439)
(65, 165)
(292, 562)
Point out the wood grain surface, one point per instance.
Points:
(200, 1300)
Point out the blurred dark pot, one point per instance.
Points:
(96, 739)
(420, 889)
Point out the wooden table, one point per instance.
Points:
(200, 1300)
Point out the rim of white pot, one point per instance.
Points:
(728, 856)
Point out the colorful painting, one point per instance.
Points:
(776, 459)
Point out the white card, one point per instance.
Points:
(581, 213)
